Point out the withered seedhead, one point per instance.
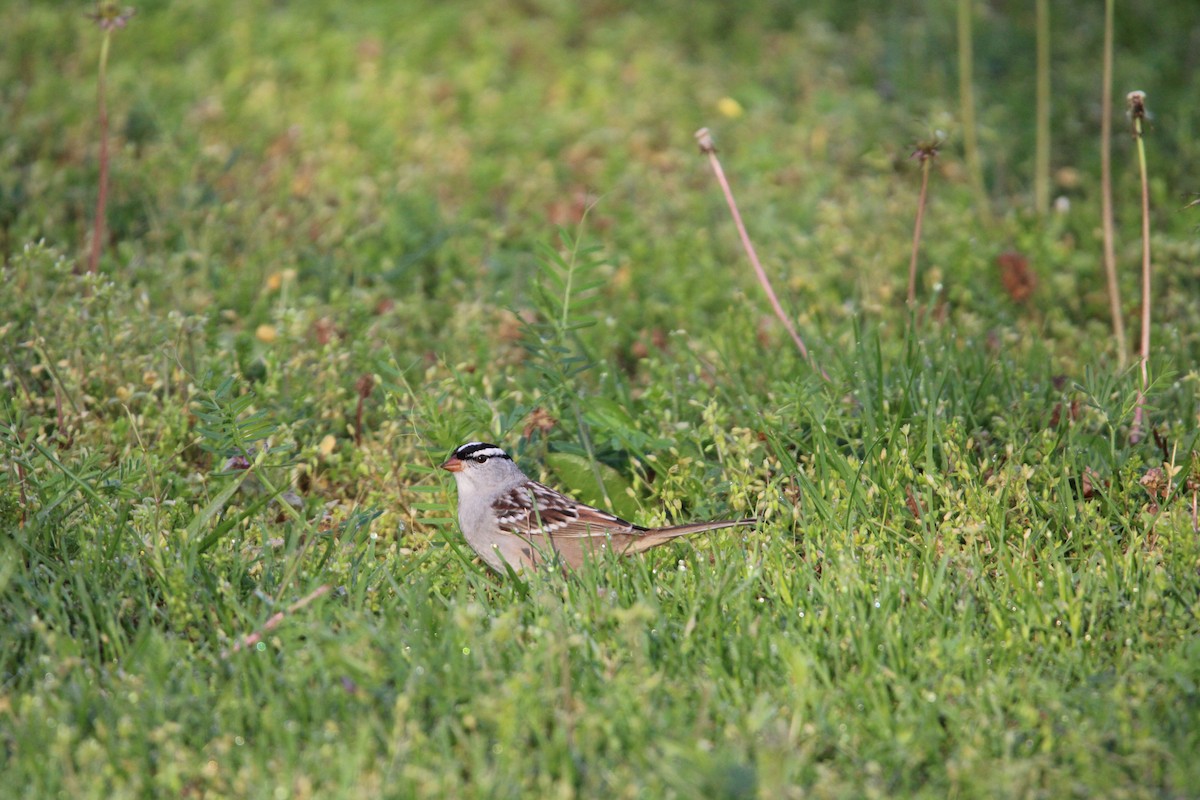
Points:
(928, 148)
(1136, 101)
(1137, 104)
(109, 16)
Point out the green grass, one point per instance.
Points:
(962, 585)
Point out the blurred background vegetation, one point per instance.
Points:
(414, 147)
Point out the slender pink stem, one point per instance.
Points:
(709, 148)
(1106, 204)
(916, 245)
(252, 639)
(1137, 107)
(1145, 277)
(102, 194)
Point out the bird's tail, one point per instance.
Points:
(657, 536)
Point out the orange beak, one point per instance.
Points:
(452, 465)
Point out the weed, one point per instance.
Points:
(108, 17)
(1137, 115)
(707, 147)
(1106, 191)
(966, 102)
(925, 153)
(1041, 168)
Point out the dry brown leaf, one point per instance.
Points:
(539, 420)
(910, 500)
(1018, 279)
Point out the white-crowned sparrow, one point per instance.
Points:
(508, 518)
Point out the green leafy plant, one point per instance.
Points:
(567, 287)
(229, 424)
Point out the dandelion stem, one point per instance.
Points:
(966, 101)
(251, 639)
(98, 225)
(1137, 110)
(709, 148)
(1041, 170)
(926, 161)
(1106, 204)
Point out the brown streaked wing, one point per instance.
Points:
(532, 508)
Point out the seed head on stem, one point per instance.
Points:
(1137, 115)
(925, 153)
(108, 17)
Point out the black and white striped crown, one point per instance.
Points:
(479, 450)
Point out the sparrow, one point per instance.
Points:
(514, 522)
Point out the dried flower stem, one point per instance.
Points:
(916, 244)
(1106, 203)
(926, 153)
(108, 17)
(1195, 514)
(1137, 111)
(21, 480)
(704, 138)
(363, 388)
(251, 639)
(98, 224)
(1041, 169)
(966, 101)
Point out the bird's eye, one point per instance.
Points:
(480, 459)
